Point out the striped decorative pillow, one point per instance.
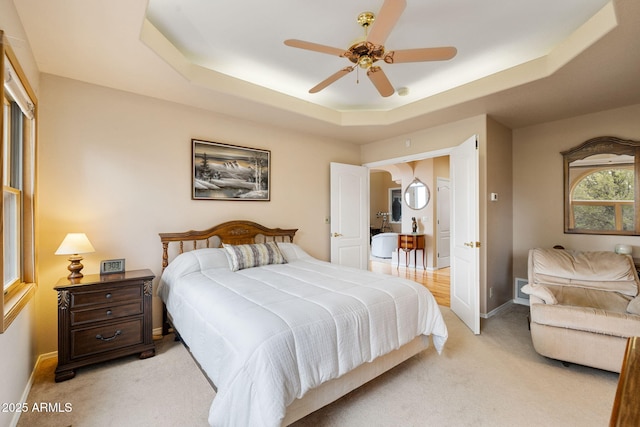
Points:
(253, 255)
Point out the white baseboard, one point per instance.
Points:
(497, 310)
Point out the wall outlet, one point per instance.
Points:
(491, 292)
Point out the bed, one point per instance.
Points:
(280, 333)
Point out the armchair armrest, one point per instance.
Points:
(541, 292)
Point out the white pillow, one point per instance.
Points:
(292, 251)
(210, 258)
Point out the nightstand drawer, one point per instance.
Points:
(410, 241)
(102, 317)
(105, 313)
(89, 341)
(105, 296)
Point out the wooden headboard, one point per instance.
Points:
(231, 233)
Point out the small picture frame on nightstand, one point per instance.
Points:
(112, 266)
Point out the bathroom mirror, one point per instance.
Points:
(417, 194)
(601, 187)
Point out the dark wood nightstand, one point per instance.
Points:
(411, 242)
(102, 317)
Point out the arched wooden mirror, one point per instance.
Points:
(417, 194)
(601, 190)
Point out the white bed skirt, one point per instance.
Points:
(331, 391)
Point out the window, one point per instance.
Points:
(603, 200)
(601, 187)
(17, 168)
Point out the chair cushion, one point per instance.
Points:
(589, 319)
(594, 298)
(601, 270)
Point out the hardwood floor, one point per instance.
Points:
(437, 281)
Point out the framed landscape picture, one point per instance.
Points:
(229, 172)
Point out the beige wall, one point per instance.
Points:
(499, 218)
(537, 181)
(117, 166)
(427, 140)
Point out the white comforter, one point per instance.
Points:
(267, 335)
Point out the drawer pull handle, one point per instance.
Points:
(108, 296)
(109, 312)
(100, 337)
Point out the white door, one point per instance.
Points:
(465, 256)
(443, 219)
(350, 215)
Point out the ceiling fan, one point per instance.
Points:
(367, 51)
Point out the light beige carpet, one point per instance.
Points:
(494, 379)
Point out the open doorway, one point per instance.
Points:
(465, 224)
(387, 182)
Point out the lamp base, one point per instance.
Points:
(75, 267)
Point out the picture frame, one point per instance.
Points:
(112, 266)
(229, 172)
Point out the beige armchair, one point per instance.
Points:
(584, 306)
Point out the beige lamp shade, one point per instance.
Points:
(74, 244)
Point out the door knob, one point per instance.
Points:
(337, 234)
(470, 244)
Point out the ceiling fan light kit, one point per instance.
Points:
(367, 51)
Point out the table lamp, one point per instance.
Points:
(75, 244)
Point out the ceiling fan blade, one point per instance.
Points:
(419, 55)
(385, 21)
(380, 81)
(332, 78)
(314, 47)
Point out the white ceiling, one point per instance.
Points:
(521, 62)
(244, 39)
